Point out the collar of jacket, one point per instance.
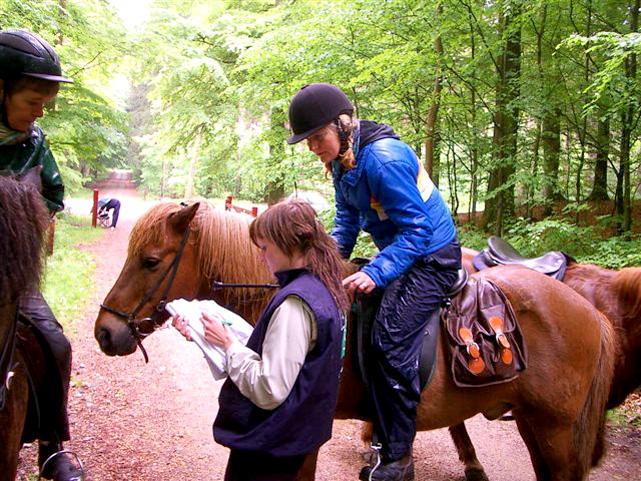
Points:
(10, 137)
(288, 275)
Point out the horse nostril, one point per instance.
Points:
(104, 339)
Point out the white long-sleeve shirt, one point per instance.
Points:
(291, 335)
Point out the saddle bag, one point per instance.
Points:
(484, 341)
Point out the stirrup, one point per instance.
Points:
(376, 447)
(81, 468)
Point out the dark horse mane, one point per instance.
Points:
(23, 221)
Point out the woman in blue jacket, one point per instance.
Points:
(382, 188)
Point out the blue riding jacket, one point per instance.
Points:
(389, 195)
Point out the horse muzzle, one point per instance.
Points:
(115, 340)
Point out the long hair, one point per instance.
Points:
(293, 226)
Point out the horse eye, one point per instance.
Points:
(150, 263)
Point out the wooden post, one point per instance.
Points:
(255, 211)
(94, 212)
(228, 202)
(51, 231)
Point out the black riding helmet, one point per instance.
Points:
(315, 106)
(25, 53)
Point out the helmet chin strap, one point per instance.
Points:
(343, 137)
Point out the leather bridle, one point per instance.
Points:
(142, 328)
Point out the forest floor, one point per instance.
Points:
(137, 421)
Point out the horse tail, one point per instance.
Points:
(589, 429)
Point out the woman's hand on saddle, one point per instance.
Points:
(181, 325)
(216, 332)
(358, 282)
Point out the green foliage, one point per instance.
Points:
(585, 244)
(471, 237)
(86, 128)
(68, 284)
(627, 415)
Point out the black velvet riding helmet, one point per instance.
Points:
(315, 106)
(25, 53)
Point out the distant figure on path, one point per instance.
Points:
(107, 204)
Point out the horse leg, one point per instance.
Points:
(552, 449)
(467, 454)
(538, 462)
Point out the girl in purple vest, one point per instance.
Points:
(287, 375)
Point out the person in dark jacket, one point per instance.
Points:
(30, 76)
(110, 204)
(382, 188)
(278, 403)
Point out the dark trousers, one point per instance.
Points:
(54, 422)
(257, 466)
(397, 338)
(113, 204)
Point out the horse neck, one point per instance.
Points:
(602, 288)
(248, 304)
(595, 284)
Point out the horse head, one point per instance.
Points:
(159, 266)
(216, 250)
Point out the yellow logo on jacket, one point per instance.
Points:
(425, 187)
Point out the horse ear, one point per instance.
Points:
(180, 220)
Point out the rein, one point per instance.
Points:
(147, 325)
(220, 285)
(6, 360)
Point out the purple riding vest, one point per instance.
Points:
(303, 422)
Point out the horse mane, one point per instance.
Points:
(225, 252)
(23, 222)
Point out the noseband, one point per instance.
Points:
(147, 325)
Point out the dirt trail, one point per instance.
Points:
(137, 421)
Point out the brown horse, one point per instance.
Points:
(615, 293)
(23, 220)
(558, 402)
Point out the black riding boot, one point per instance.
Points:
(399, 470)
(57, 464)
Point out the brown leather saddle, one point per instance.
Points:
(499, 252)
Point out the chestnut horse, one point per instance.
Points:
(558, 401)
(617, 294)
(23, 220)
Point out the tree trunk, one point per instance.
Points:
(500, 204)
(193, 161)
(600, 186)
(432, 141)
(624, 207)
(551, 138)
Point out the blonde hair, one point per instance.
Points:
(347, 124)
